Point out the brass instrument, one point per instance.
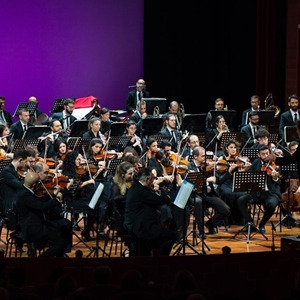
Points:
(156, 111)
(269, 105)
(180, 114)
(225, 107)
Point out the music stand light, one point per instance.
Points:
(151, 126)
(193, 123)
(78, 128)
(31, 106)
(251, 181)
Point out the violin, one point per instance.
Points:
(269, 167)
(222, 165)
(274, 150)
(50, 162)
(63, 156)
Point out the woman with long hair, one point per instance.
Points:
(135, 141)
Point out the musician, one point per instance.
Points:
(219, 105)
(171, 131)
(94, 129)
(222, 210)
(65, 116)
(11, 181)
(292, 147)
(288, 118)
(192, 142)
(135, 95)
(140, 218)
(251, 128)
(270, 197)
(254, 102)
(46, 144)
(135, 141)
(105, 120)
(4, 136)
(215, 136)
(31, 218)
(18, 128)
(5, 116)
(261, 138)
(139, 115)
(150, 149)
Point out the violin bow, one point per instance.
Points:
(87, 164)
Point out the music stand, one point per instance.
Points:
(151, 103)
(160, 138)
(266, 117)
(112, 165)
(117, 143)
(237, 136)
(288, 171)
(31, 106)
(202, 139)
(252, 181)
(4, 163)
(229, 116)
(78, 128)
(78, 142)
(94, 203)
(21, 144)
(117, 128)
(193, 123)
(273, 138)
(180, 201)
(251, 153)
(34, 132)
(290, 134)
(151, 126)
(58, 104)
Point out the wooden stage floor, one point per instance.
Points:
(215, 242)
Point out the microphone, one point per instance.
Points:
(132, 86)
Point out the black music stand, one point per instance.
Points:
(266, 117)
(290, 134)
(34, 132)
(112, 165)
(181, 200)
(237, 136)
(288, 171)
(273, 138)
(3, 164)
(193, 123)
(94, 204)
(58, 104)
(117, 128)
(229, 116)
(78, 128)
(251, 153)
(151, 103)
(21, 144)
(31, 106)
(151, 126)
(252, 181)
(160, 138)
(203, 137)
(117, 143)
(78, 142)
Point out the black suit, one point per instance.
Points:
(7, 117)
(50, 149)
(59, 116)
(10, 184)
(141, 220)
(166, 132)
(17, 130)
(286, 119)
(248, 130)
(269, 198)
(222, 210)
(132, 99)
(33, 225)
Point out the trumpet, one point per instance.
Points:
(225, 128)
(156, 111)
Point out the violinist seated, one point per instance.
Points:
(94, 130)
(221, 209)
(135, 141)
(226, 166)
(192, 142)
(105, 121)
(261, 138)
(165, 182)
(45, 145)
(33, 227)
(215, 135)
(271, 197)
(150, 149)
(251, 128)
(51, 187)
(171, 131)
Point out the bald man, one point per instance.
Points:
(31, 219)
(37, 112)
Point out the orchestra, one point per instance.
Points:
(76, 169)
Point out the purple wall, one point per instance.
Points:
(71, 48)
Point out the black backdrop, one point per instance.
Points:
(197, 51)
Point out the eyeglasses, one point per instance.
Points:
(132, 128)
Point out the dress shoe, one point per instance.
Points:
(262, 229)
(202, 235)
(101, 236)
(210, 227)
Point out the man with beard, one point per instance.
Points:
(288, 118)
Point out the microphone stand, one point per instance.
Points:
(273, 236)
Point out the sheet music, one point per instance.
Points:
(96, 196)
(184, 194)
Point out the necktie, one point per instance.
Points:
(173, 135)
(24, 127)
(295, 117)
(2, 120)
(140, 96)
(254, 130)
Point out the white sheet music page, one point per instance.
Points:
(184, 194)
